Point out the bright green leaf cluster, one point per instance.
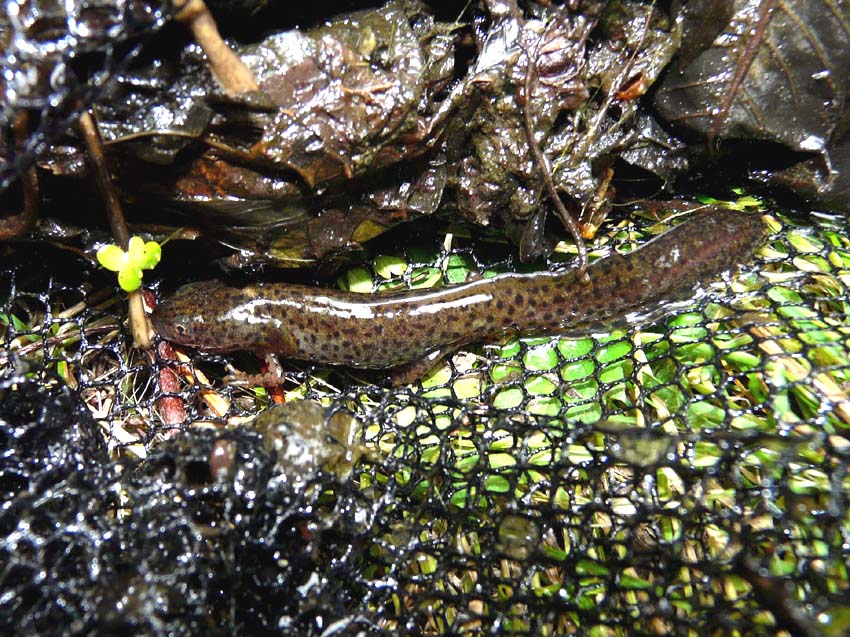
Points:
(129, 265)
(743, 202)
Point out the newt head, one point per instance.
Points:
(212, 316)
(191, 316)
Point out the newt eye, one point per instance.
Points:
(180, 329)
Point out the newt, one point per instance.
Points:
(409, 331)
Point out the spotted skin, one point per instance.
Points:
(400, 328)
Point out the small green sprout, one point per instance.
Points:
(129, 265)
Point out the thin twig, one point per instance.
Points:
(231, 72)
(542, 165)
(64, 339)
(139, 326)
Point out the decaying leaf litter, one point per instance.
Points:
(386, 115)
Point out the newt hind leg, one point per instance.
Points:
(410, 372)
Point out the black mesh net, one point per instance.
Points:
(685, 476)
(58, 57)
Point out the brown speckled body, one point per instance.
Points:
(399, 328)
